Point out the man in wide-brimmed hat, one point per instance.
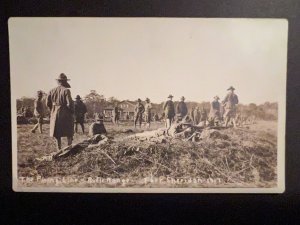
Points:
(60, 103)
(79, 112)
(230, 101)
(169, 111)
(148, 108)
(214, 114)
(116, 115)
(38, 112)
(138, 111)
(181, 109)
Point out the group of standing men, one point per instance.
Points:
(229, 108)
(63, 111)
(139, 110)
(215, 116)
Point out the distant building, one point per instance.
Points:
(127, 110)
(108, 112)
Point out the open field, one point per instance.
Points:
(242, 157)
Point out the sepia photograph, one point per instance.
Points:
(152, 105)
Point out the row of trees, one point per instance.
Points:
(96, 103)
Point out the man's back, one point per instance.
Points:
(80, 108)
(60, 96)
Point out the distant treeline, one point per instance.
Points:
(97, 103)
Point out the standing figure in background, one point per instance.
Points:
(196, 115)
(116, 115)
(79, 112)
(181, 109)
(192, 114)
(138, 110)
(169, 112)
(156, 117)
(60, 103)
(148, 108)
(214, 114)
(203, 117)
(38, 112)
(230, 101)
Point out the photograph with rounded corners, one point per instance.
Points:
(152, 105)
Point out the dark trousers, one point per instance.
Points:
(76, 126)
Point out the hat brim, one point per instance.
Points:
(230, 89)
(63, 79)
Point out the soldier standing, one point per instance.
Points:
(181, 109)
(138, 110)
(169, 112)
(192, 114)
(203, 117)
(79, 112)
(196, 115)
(156, 117)
(116, 115)
(214, 114)
(230, 101)
(148, 108)
(38, 112)
(60, 103)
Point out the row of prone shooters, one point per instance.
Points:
(63, 110)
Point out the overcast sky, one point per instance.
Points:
(131, 58)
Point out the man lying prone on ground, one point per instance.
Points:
(97, 133)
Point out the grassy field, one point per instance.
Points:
(242, 157)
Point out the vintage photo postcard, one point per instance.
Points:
(170, 105)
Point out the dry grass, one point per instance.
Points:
(244, 157)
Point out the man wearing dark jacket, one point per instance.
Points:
(138, 111)
(169, 111)
(116, 115)
(181, 109)
(79, 111)
(230, 101)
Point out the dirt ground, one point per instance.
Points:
(242, 157)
